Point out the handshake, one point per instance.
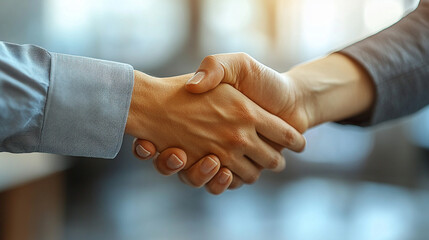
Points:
(223, 125)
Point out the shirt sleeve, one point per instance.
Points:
(397, 59)
(62, 104)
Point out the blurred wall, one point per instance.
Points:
(350, 183)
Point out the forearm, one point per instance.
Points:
(384, 76)
(333, 88)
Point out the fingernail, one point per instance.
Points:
(196, 78)
(208, 165)
(142, 152)
(173, 162)
(223, 178)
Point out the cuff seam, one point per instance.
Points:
(130, 75)
(46, 106)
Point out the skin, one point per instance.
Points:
(319, 91)
(222, 127)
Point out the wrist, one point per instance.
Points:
(151, 99)
(142, 82)
(333, 88)
(303, 97)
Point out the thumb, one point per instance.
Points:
(212, 71)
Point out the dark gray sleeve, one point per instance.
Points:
(397, 59)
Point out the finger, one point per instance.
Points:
(201, 172)
(264, 155)
(236, 182)
(278, 131)
(220, 182)
(274, 145)
(170, 161)
(143, 149)
(245, 169)
(208, 76)
(215, 69)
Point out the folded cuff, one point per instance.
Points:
(87, 106)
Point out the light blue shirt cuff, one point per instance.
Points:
(87, 106)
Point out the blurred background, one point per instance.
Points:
(350, 183)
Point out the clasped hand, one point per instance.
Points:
(219, 127)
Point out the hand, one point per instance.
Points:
(332, 88)
(316, 92)
(268, 88)
(277, 93)
(223, 123)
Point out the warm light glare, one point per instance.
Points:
(318, 21)
(379, 14)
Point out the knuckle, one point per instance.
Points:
(238, 140)
(302, 146)
(236, 183)
(246, 113)
(289, 138)
(274, 163)
(249, 63)
(280, 164)
(249, 115)
(209, 60)
(252, 178)
(226, 159)
(244, 55)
